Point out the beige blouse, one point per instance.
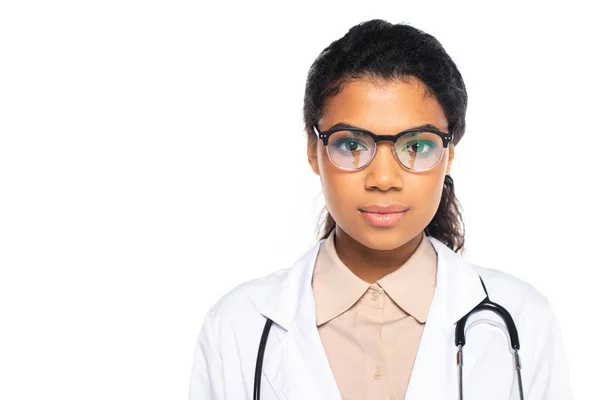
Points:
(371, 332)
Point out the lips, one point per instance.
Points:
(384, 209)
(380, 215)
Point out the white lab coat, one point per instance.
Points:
(295, 366)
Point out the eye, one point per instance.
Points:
(349, 145)
(350, 142)
(419, 147)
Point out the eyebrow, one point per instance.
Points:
(347, 125)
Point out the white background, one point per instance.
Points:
(137, 183)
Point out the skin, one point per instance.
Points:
(383, 108)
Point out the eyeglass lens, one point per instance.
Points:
(418, 151)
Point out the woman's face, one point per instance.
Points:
(384, 109)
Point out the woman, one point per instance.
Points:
(371, 311)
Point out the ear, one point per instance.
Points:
(450, 157)
(311, 152)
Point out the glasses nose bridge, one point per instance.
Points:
(385, 138)
(391, 139)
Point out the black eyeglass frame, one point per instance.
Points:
(445, 136)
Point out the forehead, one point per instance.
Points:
(384, 107)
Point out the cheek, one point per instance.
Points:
(338, 186)
(425, 192)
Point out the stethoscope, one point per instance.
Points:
(509, 329)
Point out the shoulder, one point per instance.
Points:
(228, 339)
(505, 288)
(530, 309)
(542, 351)
(277, 296)
(234, 322)
(519, 297)
(241, 300)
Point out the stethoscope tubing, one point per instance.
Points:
(259, 359)
(513, 336)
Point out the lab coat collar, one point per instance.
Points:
(457, 282)
(298, 367)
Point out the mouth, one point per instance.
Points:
(384, 209)
(383, 215)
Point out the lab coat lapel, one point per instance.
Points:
(458, 290)
(298, 368)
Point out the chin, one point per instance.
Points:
(382, 238)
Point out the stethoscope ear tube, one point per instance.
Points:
(459, 334)
(460, 338)
(259, 359)
(487, 304)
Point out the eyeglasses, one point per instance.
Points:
(351, 148)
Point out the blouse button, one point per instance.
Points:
(374, 295)
(378, 374)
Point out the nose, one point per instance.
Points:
(384, 172)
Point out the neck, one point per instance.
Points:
(368, 264)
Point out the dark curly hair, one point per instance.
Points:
(380, 50)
